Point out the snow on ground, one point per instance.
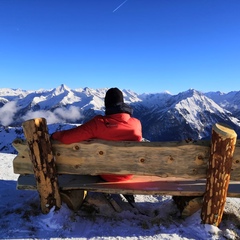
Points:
(21, 217)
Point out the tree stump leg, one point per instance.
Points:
(73, 198)
(36, 133)
(218, 175)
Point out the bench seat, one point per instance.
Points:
(137, 185)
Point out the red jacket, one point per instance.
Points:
(115, 127)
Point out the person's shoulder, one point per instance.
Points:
(94, 119)
(135, 119)
(98, 117)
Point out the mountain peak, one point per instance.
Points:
(62, 88)
(190, 93)
(193, 91)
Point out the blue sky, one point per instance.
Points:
(143, 45)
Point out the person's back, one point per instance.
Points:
(117, 125)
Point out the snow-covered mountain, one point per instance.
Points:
(189, 114)
(164, 117)
(229, 101)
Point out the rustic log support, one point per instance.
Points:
(218, 174)
(36, 134)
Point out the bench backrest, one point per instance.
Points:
(94, 157)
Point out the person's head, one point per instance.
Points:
(113, 97)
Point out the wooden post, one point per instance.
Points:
(218, 175)
(36, 133)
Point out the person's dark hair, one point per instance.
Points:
(113, 97)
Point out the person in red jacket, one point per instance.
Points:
(117, 125)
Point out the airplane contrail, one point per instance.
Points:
(119, 6)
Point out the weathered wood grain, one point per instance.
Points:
(165, 159)
(43, 164)
(218, 175)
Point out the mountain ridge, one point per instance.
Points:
(164, 117)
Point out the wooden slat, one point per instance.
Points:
(164, 159)
(138, 185)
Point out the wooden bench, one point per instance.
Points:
(64, 172)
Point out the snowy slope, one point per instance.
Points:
(21, 217)
(229, 101)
